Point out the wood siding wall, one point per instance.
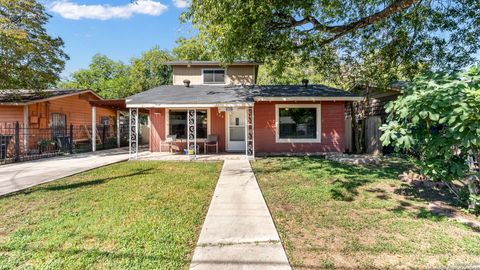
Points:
(235, 74)
(372, 135)
(11, 114)
(77, 109)
(332, 129)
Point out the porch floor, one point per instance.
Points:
(181, 157)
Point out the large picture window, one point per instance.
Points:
(298, 123)
(177, 123)
(214, 76)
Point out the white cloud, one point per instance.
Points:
(74, 11)
(181, 3)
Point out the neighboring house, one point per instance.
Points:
(369, 115)
(47, 114)
(209, 99)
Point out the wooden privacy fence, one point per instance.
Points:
(19, 143)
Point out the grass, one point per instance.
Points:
(131, 215)
(333, 215)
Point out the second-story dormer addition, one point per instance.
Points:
(214, 73)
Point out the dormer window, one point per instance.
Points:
(213, 76)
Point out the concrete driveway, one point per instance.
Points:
(18, 176)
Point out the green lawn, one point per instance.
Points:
(333, 215)
(131, 215)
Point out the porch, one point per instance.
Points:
(204, 132)
(167, 156)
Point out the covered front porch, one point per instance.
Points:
(196, 131)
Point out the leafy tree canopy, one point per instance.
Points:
(438, 118)
(195, 48)
(396, 38)
(148, 71)
(112, 79)
(30, 58)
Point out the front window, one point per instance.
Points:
(213, 76)
(178, 123)
(297, 123)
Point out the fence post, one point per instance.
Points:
(17, 142)
(104, 130)
(71, 139)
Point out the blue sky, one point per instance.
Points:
(116, 28)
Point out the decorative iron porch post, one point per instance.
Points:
(250, 133)
(133, 133)
(192, 132)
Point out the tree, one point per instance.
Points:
(148, 71)
(405, 36)
(288, 71)
(114, 79)
(107, 77)
(29, 57)
(195, 49)
(437, 117)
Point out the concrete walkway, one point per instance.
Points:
(18, 176)
(238, 232)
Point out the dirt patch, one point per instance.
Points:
(443, 209)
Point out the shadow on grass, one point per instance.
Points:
(356, 176)
(442, 204)
(134, 256)
(94, 182)
(346, 178)
(66, 186)
(419, 192)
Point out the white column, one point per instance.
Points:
(94, 128)
(246, 131)
(250, 132)
(118, 128)
(133, 133)
(25, 128)
(192, 132)
(136, 133)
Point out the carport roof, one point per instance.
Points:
(233, 95)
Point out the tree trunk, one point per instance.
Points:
(473, 183)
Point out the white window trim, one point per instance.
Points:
(167, 120)
(318, 138)
(226, 76)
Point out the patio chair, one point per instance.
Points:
(212, 140)
(170, 140)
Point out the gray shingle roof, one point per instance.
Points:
(28, 95)
(195, 94)
(313, 90)
(215, 94)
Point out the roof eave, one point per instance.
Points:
(189, 105)
(313, 98)
(51, 98)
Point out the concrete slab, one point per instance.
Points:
(238, 232)
(167, 156)
(18, 176)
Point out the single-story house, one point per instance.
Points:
(46, 114)
(209, 102)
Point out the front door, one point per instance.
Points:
(236, 130)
